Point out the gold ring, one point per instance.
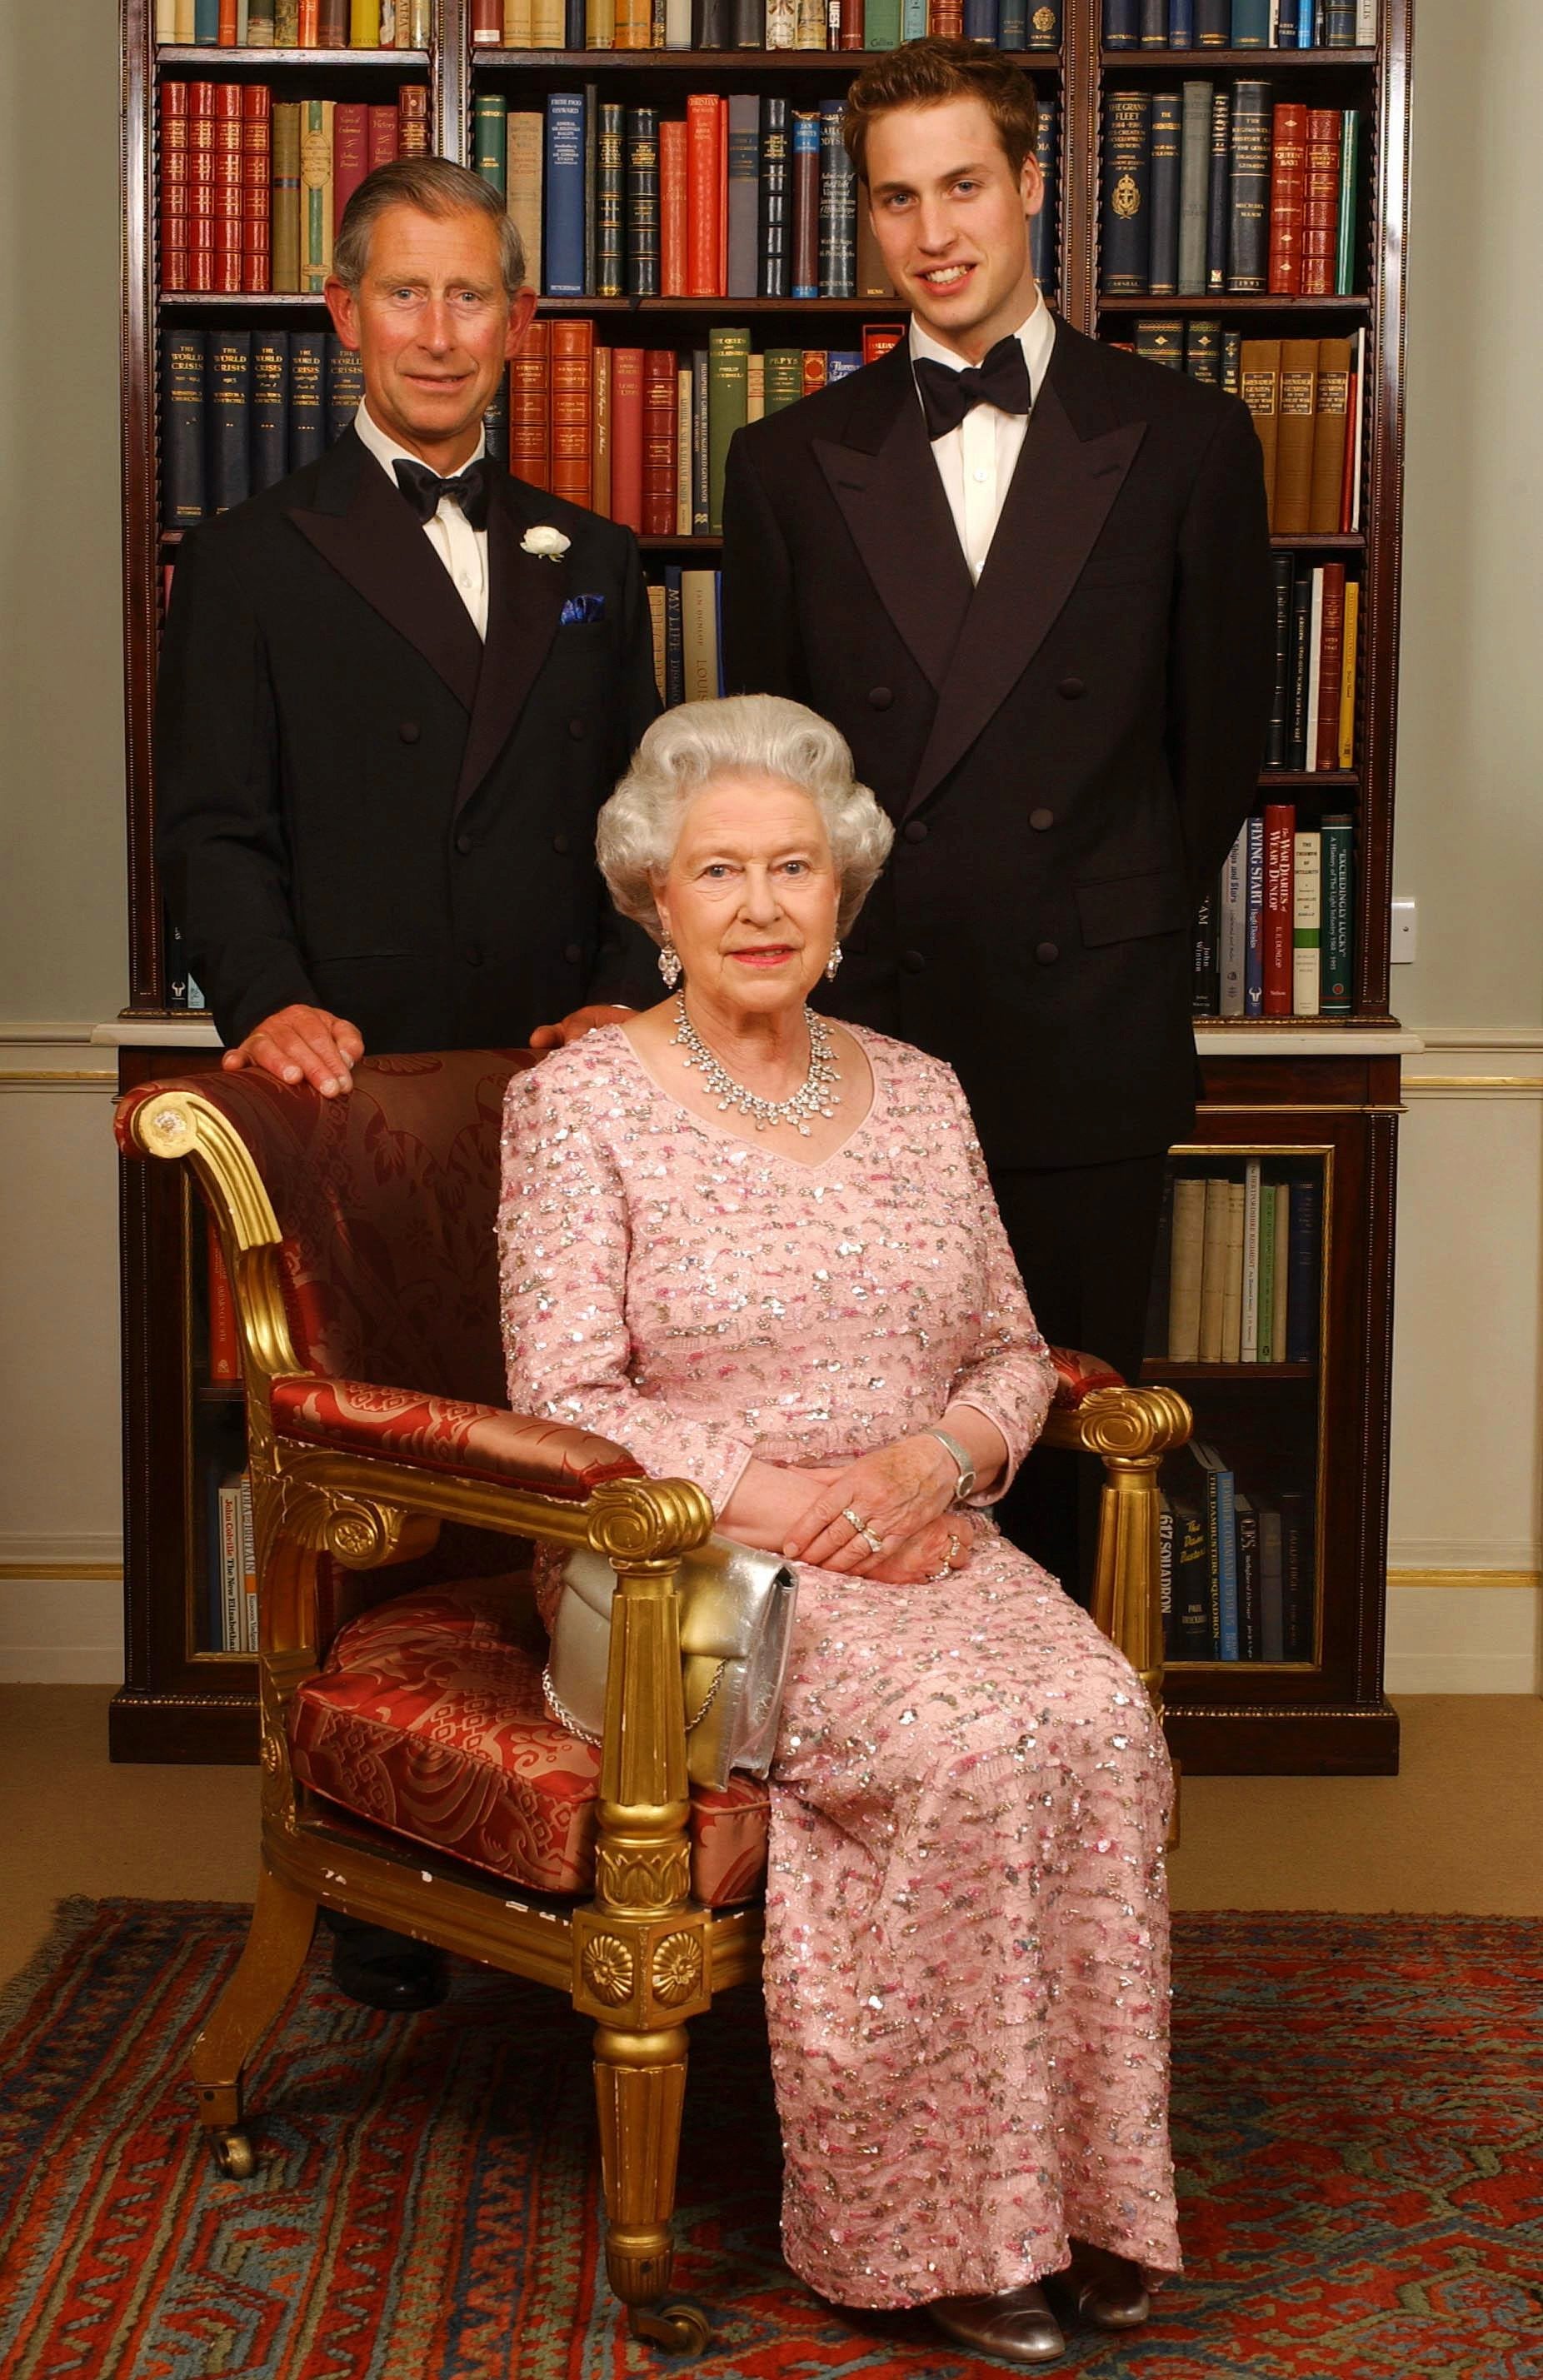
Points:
(875, 1543)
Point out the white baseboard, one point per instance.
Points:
(1476, 1638)
(57, 1632)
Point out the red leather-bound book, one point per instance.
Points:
(1321, 212)
(573, 350)
(671, 207)
(704, 256)
(308, 24)
(1331, 665)
(226, 35)
(1280, 893)
(530, 407)
(946, 18)
(350, 153)
(879, 338)
(257, 176)
(626, 437)
(487, 23)
(227, 186)
(659, 441)
(174, 185)
(814, 370)
(201, 186)
(383, 136)
(852, 23)
(225, 1349)
(334, 25)
(1288, 179)
(412, 120)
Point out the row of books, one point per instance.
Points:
(1239, 24)
(230, 1623)
(1276, 937)
(1236, 1567)
(1237, 1274)
(239, 409)
(1306, 397)
(254, 188)
(686, 612)
(1214, 189)
(742, 196)
(297, 24)
(759, 24)
(1318, 636)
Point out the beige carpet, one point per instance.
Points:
(1460, 1830)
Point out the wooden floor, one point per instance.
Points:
(1461, 1829)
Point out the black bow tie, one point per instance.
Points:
(424, 488)
(947, 395)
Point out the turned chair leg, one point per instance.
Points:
(641, 2089)
(277, 1940)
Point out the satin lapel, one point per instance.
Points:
(361, 526)
(1058, 500)
(886, 485)
(526, 593)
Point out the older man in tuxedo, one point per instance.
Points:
(1028, 577)
(394, 691)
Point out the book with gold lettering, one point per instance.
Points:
(316, 193)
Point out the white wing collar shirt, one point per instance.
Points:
(975, 462)
(462, 548)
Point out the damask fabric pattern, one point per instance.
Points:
(472, 1441)
(967, 1971)
(429, 1719)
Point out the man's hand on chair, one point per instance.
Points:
(300, 1044)
(574, 1026)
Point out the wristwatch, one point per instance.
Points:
(963, 1487)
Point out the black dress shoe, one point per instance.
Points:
(1017, 2326)
(1107, 2291)
(386, 1970)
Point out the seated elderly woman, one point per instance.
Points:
(760, 1250)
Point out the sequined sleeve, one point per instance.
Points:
(1012, 1380)
(564, 1244)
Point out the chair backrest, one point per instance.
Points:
(387, 1200)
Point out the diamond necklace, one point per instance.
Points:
(817, 1094)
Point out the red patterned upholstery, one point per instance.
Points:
(386, 1199)
(472, 1441)
(429, 1719)
(1076, 1377)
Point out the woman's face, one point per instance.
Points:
(749, 898)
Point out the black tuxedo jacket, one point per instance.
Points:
(1068, 748)
(363, 807)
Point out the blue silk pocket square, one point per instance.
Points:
(580, 610)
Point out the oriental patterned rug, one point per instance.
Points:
(1358, 2118)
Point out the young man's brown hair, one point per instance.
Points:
(922, 74)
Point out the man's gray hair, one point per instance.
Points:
(754, 736)
(434, 187)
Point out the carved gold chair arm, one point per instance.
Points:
(1130, 1429)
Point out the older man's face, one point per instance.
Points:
(434, 328)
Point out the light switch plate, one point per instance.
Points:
(1402, 953)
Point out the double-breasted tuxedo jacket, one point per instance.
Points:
(365, 807)
(1067, 748)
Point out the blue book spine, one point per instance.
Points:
(1181, 24)
(1302, 1283)
(1042, 244)
(1306, 23)
(841, 363)
(206, 22)
(1250, 24)
(565, 194)
(1223, 1490)
(574, 29)
(983, 21)
(912, 21)
(1286, 27)
(1013, 25)
(805, 138)
(1253, 979)
(1122, 24)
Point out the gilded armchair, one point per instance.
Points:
(359, 1239)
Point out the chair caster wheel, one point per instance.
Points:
(679, 2325)
(234, 2154)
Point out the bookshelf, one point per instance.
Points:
(1311, 1100)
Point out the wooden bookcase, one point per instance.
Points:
(1320, 1099)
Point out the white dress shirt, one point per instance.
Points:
(975, 462)
(462, 548)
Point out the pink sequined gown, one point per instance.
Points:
(966, 1952)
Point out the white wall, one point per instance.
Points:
(1470, 844)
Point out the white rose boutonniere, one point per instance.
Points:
(549, 542)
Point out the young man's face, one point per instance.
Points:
(434, 327)
(951, 221)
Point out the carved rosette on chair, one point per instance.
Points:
(312, 1199)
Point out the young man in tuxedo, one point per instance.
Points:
(1028, 577)
(393, 693)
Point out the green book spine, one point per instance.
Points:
(286, 203)
(1266, 1326)
(490, 132)
(1232, 362)
(785, 377)
(316, 193)
(880, 24)
(1350, 156)
(1161, 341)
(728, 390)
(1336, 997)
(1202, 351)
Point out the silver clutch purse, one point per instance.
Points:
(735, 1607)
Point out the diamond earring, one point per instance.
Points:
(833, 963)
(669, 966)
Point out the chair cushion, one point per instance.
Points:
(429, 1719)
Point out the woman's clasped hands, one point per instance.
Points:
(890, 1516)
